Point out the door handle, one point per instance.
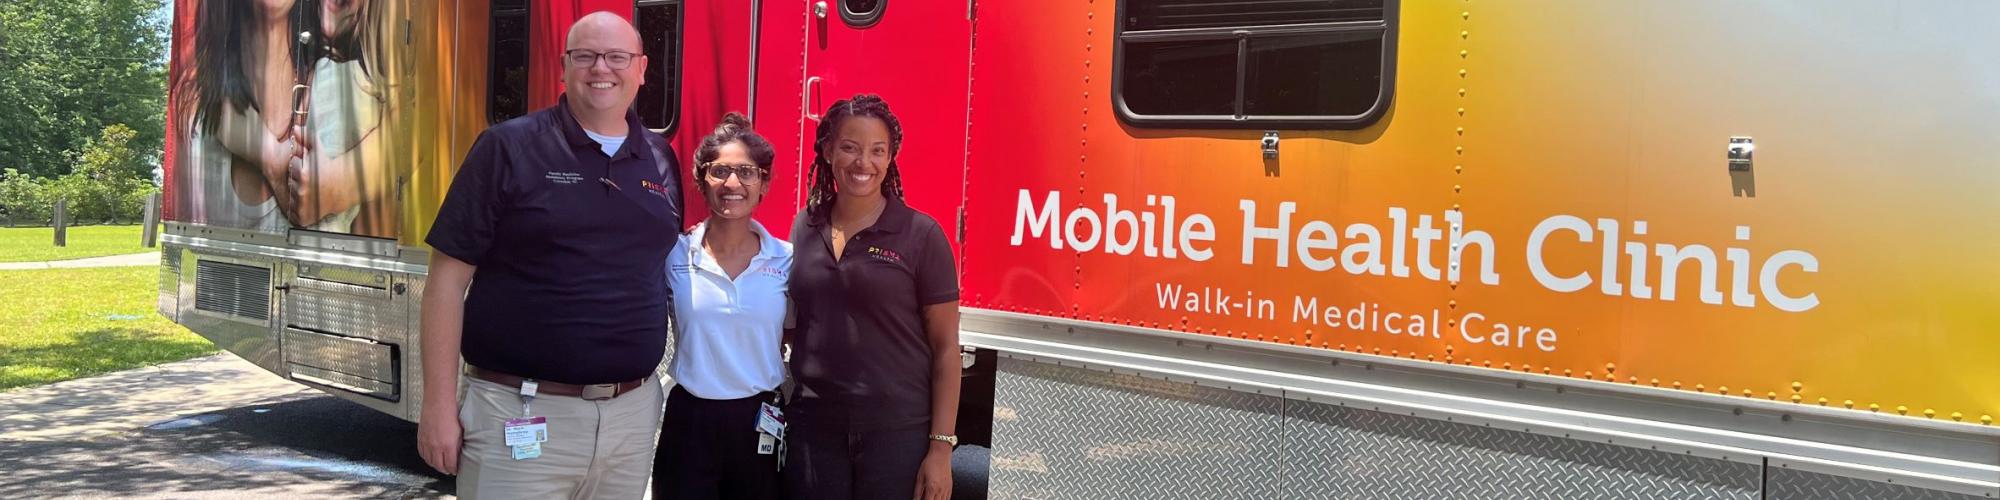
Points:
(809, 98)
(817, 26)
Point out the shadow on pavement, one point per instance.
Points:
(307, 446)
(301, 445)
(122, 401)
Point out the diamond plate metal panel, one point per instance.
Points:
(1787, 484)
(1339, 452)
(413, 352)
(376, 319)
(1061, 432)
(170, 268)
(362, 385)
(168, 303)
(1068, 432)
(362, 282)
(372, 366)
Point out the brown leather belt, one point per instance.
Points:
(592, 392)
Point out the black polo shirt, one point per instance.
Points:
(860, 354)
(571, 247)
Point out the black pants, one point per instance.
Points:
(708, 450)
(832, 462)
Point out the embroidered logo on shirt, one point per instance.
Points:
(885, 254)
(564, 177)
(654, 188)
(774, 271)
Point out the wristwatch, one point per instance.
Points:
(947, 439)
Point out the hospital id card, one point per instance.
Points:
(522, 431)
(771, 421)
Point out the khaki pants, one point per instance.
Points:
(596, 449)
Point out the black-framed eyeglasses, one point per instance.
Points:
(585, 58)
(746, 173)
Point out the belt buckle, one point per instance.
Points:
(598, 392)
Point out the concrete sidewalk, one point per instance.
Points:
(127, 260)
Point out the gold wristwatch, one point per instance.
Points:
(947, 439)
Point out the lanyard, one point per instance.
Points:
(527, 397)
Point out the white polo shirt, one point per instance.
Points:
(727, 332)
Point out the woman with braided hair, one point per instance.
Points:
(875, 338)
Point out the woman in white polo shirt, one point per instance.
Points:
(728, 277)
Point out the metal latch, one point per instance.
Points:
(1740, 150)
(1270, 145)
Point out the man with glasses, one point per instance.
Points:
(546, 275)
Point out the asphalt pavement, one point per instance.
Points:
(213, 427)
(218, 427)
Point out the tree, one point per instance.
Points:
(69, 68)
(101, 186)
(111, 155)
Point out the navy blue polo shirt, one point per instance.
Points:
(571, 247)
(860, 352)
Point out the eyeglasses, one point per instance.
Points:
(584, 59)
(745, 173)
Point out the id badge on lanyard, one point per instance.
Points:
(525, 435)
(771, 432)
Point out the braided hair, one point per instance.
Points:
(820, 194)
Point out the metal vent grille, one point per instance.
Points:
(233, 289)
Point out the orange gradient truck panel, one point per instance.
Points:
(1542, 167)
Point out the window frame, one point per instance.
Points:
(679, 41)
(861, 20)
(1389, 26)
(493, 78)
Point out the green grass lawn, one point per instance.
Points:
(60, 324)
(32, 244)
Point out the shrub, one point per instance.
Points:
(24, 200)
(100, 187)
